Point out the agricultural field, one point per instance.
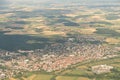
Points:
(56, 23)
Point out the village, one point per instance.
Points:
(53, 57)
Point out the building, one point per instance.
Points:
(101, 69)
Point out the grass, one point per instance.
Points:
(35, 77)
(40, 77)
(76, 72)
(107, 32)
(70, 78)
(66, 78)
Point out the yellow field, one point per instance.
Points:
(112, 40)
(12, 79)
(70, 78)
(53, 33)
(87, 30)
(40, 77)
(36, 77)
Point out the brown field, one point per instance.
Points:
(82, 78)
(112, 40)
(87, 30)
(12, 79)
(71, 15)
(70, 78)
(49, 33)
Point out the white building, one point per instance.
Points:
(101, 69)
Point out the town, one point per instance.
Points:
(53, 57)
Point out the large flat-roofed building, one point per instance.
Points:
(101, 69)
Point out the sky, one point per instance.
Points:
(3, 2)
(34, 2)
(6, 3)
